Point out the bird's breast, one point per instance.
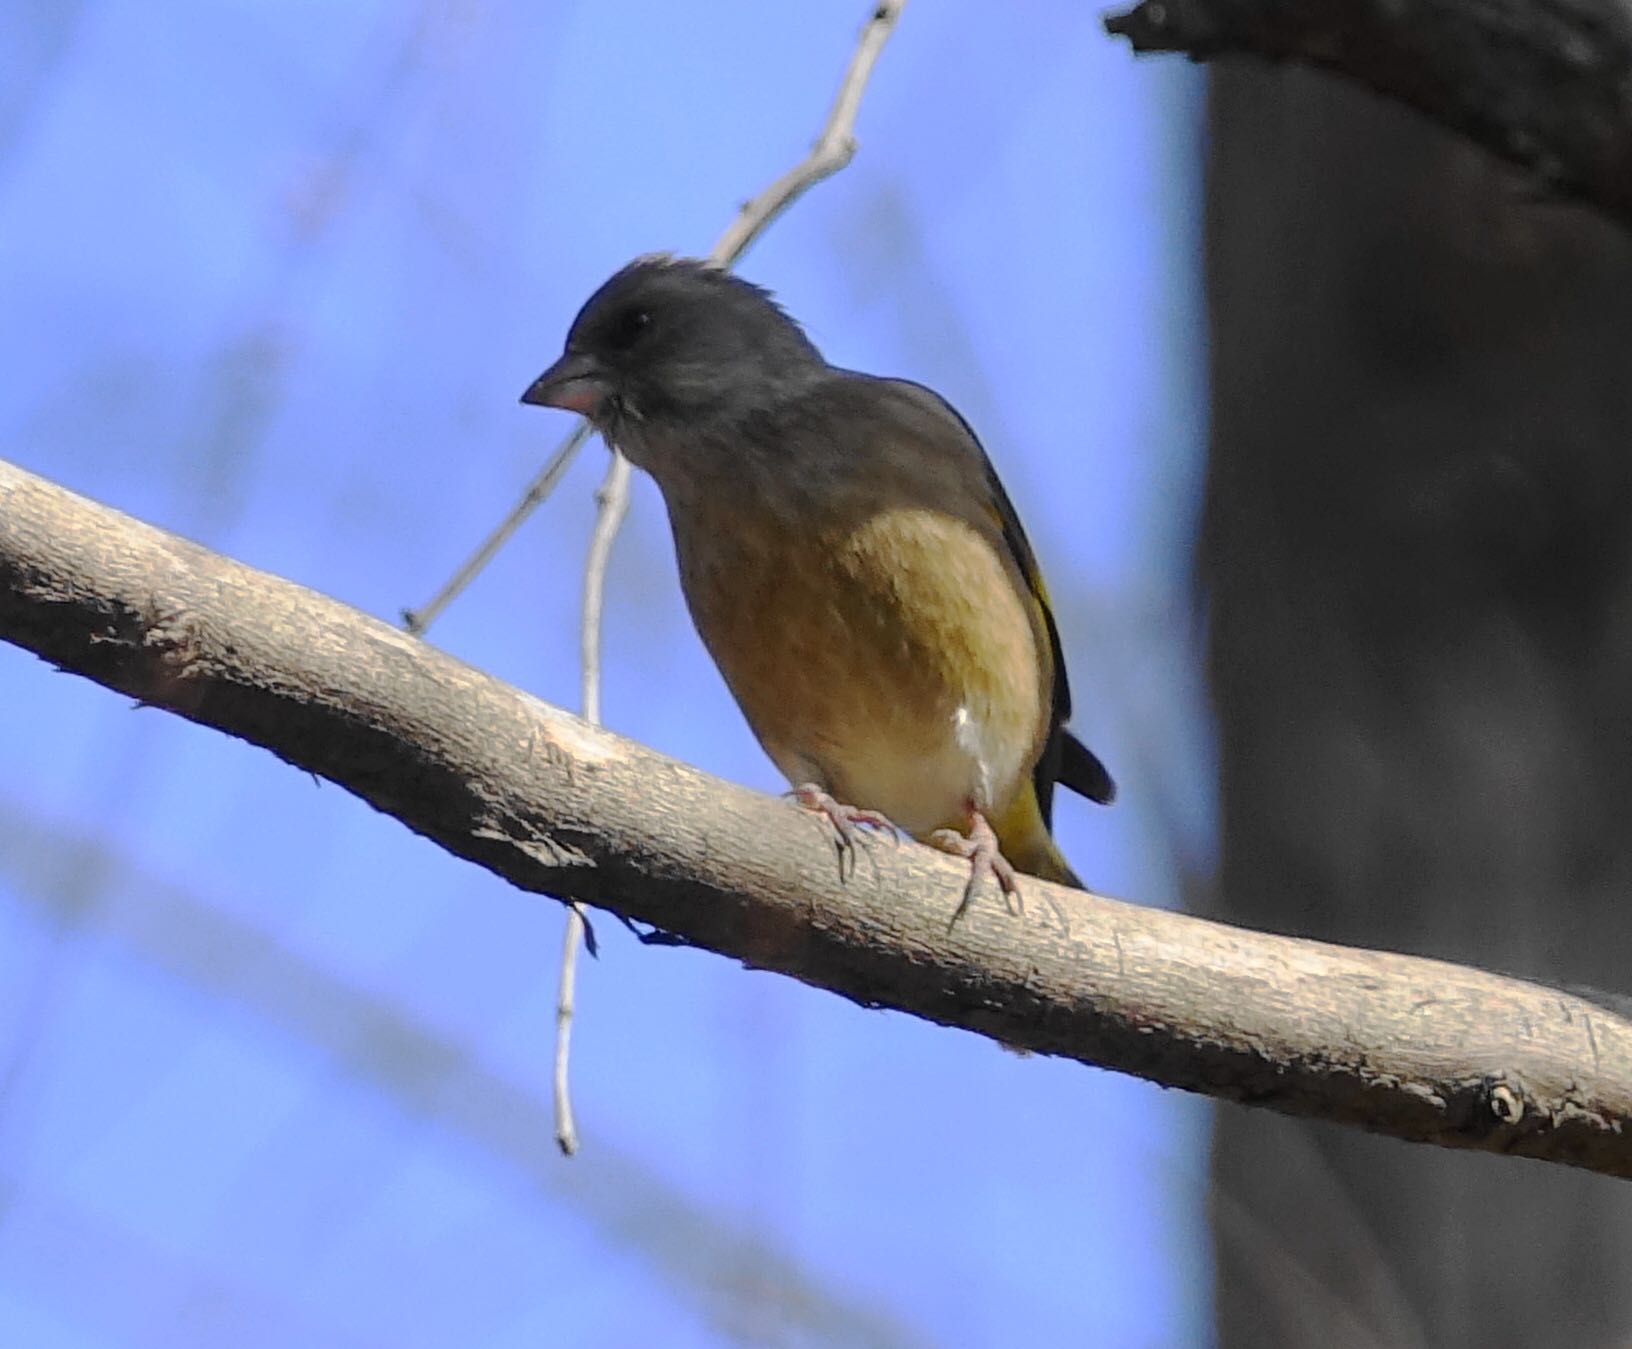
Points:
(890, 656)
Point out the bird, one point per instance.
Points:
(850, 560)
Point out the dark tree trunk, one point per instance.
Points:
(1416, 565)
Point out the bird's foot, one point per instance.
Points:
(848, 821)
(979, 846)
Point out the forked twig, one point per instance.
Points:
(555, 468)
(612, 501)
(833, 149)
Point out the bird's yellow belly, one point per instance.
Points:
(893, 662)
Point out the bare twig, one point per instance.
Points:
(833, 149)
(566, 998)
(555, 468)
(417, 621)
(1418, 1049)
(1542, 83)
(612, 501)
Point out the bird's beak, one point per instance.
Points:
(576, 382)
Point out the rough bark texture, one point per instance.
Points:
(1416, 562)
(1546, 84)
(1415, 1048)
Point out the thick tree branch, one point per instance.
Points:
(1546, 84)
(1414, 1048)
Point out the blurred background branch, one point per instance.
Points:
(431, 1078)
(1542, 83)
(1418, 1049)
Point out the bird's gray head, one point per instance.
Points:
(671, 346)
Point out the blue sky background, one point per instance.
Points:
(275, 1071)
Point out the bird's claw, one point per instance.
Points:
(980, 849)
(848, 821)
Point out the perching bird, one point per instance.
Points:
(850, 560)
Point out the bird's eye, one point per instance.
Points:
(629, 326)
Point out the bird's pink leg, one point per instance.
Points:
(979, 846)
(847, 821)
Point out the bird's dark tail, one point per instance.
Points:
(1082, 771)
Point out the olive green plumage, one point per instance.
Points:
(848, 555)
